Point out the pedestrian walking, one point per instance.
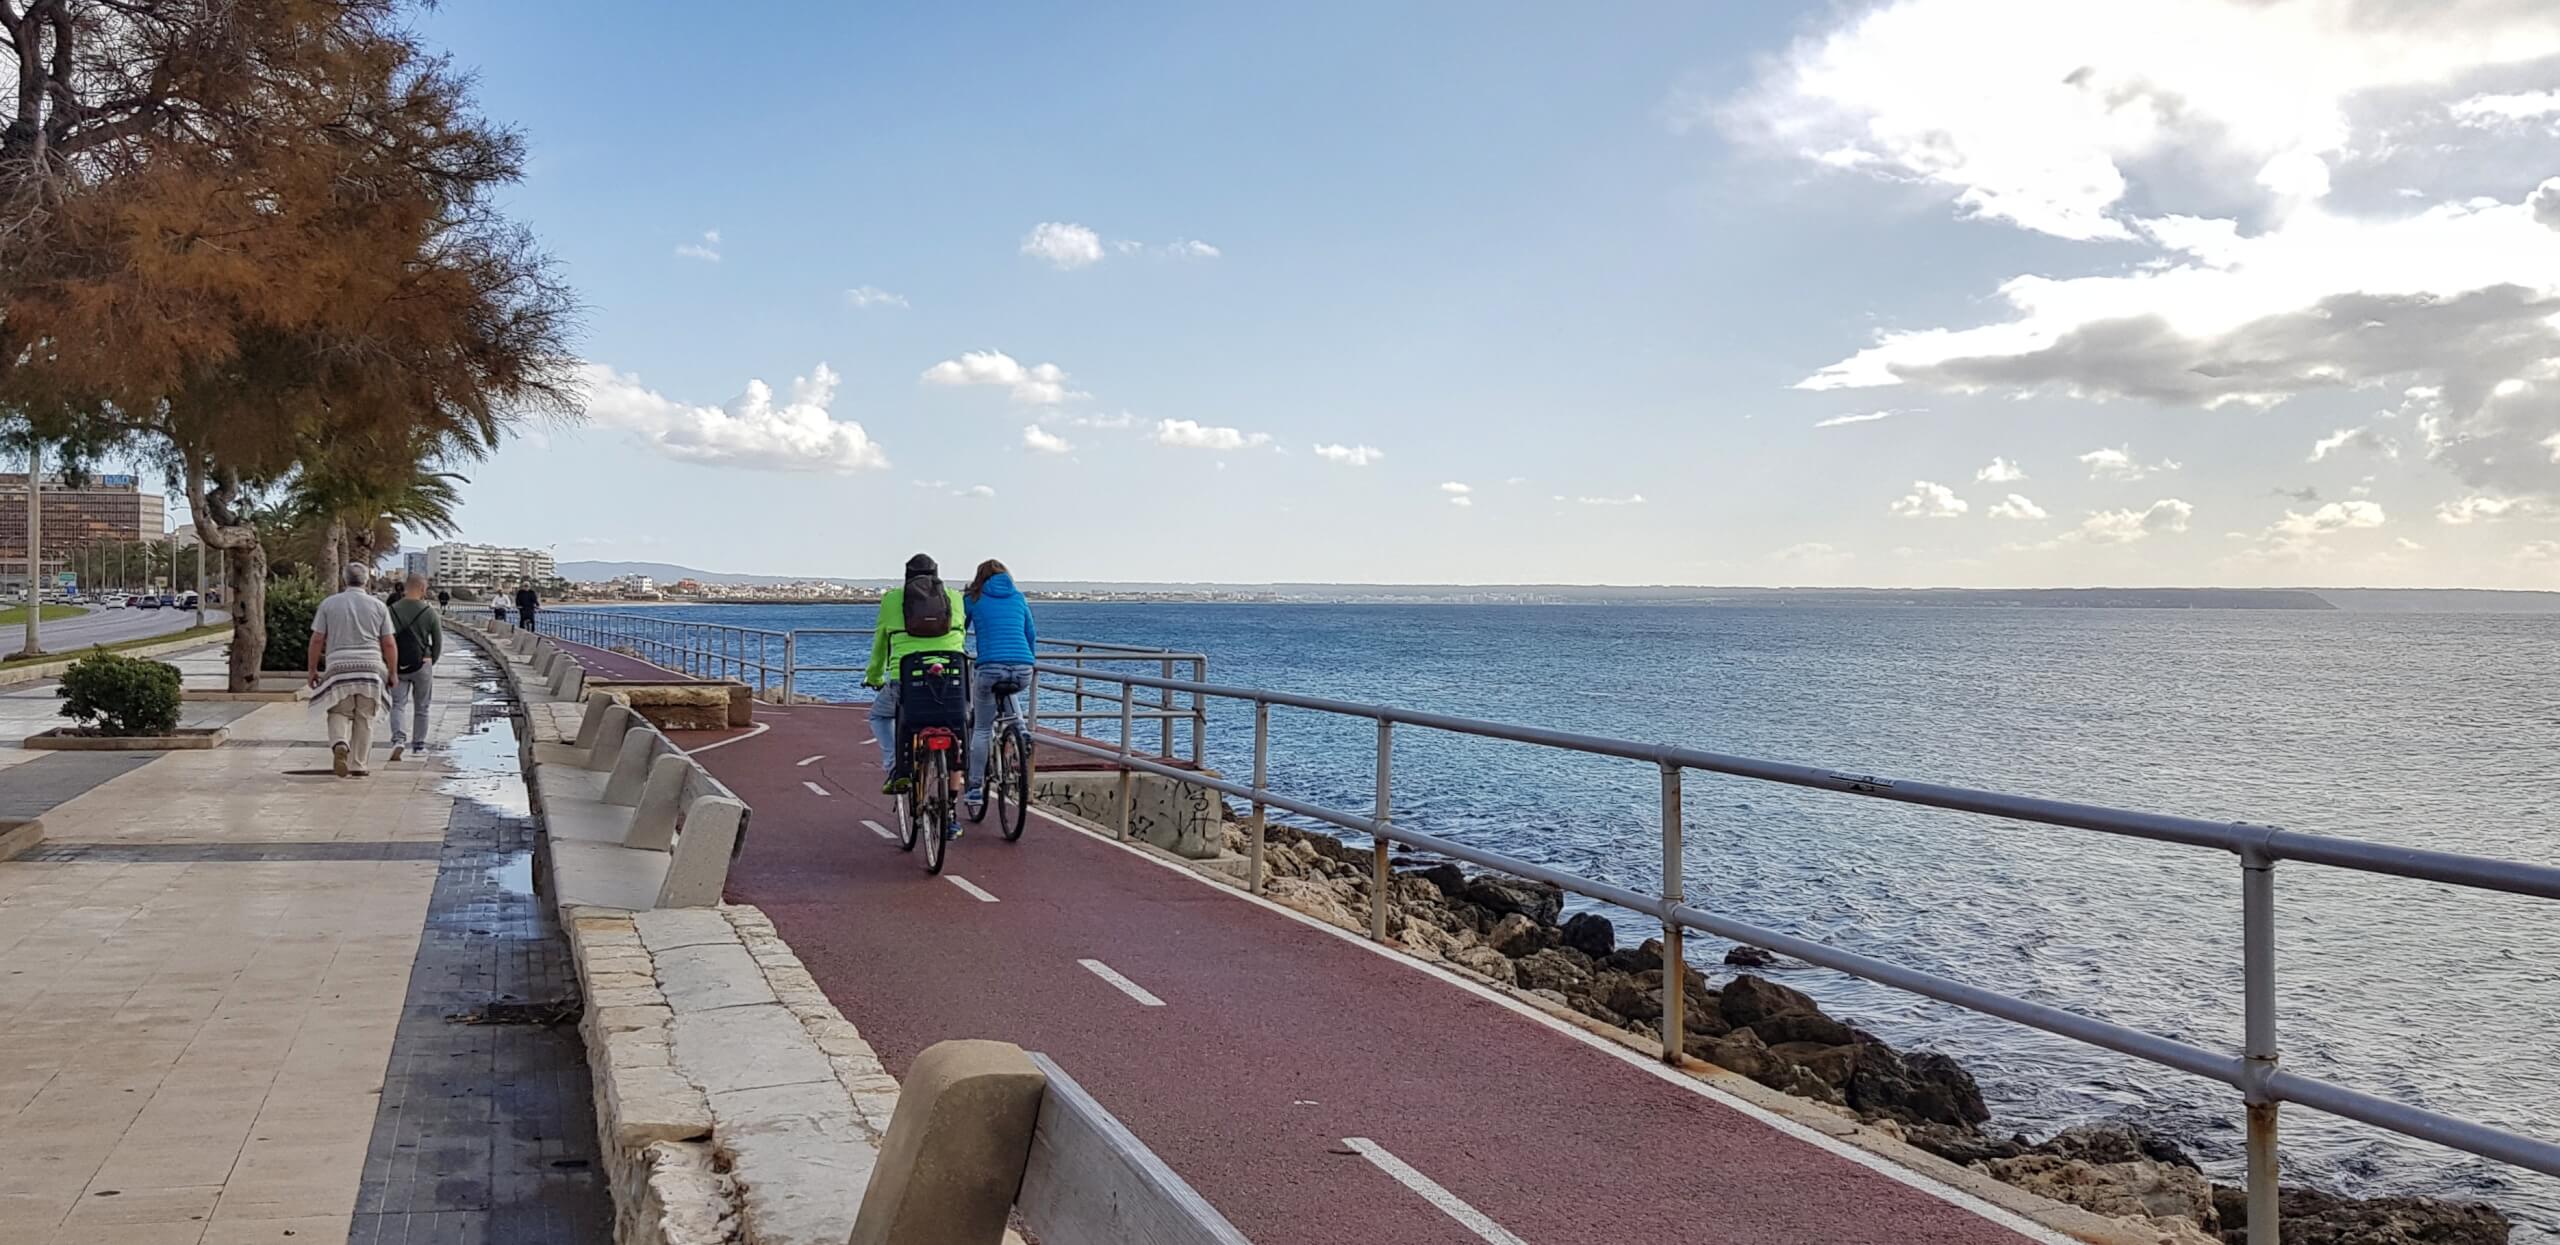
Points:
(417, 637)
(526, 604)
(350, 660)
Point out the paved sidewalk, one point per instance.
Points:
(220, 1022)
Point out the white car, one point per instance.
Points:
(115, 602)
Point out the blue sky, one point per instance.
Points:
(1587, 280)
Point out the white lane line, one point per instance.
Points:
(1122, 984)
(969, 886)
(758, 729)
(1473, 1220)
(811, 760)
(1644, 1063)
(815, 789)
(878, 829)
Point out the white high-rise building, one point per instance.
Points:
(489, 566)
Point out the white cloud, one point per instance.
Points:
(2001, 471)
(2122, 527)
(1113, 423)
(1192, 248)
(1930, 501)
(2298, 533)
(1838, 421)
(2367, 438)
(2485, 111)
(2486, 509)
(1038, 438)
(1811, 555)
(1460, 495)
(1350, 455)
(1063, 245)
(708, 249)
(1040, 384)
(1193, 435)
(2409, 545)
(2119, 464)
(2042, 112)
(874, 296)
(1631, 499)
(974, 490)
(2016, 506)
(751, 430)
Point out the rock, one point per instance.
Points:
(1448, 879)
(1643, 959)
(1803, 1026)
(2144, 1187)
(1487, 962)
(1315, 898)
(2114, 1141)
(1749, 957)
(1552, 969)
(1552, 996)
(1516, 935)
(1960, 1145)
(1920, 1086)
(1747, 1000)
(1595, 1009)
(1535, 900)
(1739, 1051)
(2312, 1217)
(1833, 1064)
(1628, 997)
(1591, 934)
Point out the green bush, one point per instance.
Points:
(112, 694)
(291, 601)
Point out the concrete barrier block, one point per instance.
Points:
(653, 824)
(599, 704)
(631, 766)
(956, 1148)
(610, 732)
(699, 871)
(573, 683)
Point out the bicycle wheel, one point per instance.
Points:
(1009, 785)
(907, 820)
(933, 806)
(978, 812)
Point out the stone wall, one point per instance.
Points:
(1181, 817)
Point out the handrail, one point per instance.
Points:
(2253, 1071)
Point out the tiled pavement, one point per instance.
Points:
(206, 971)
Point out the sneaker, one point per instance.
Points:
(974, 797)
(977, 809)
(397, 748)
(898, 786)
(338, 759)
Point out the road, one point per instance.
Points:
(1310, 1086)
(105, 626)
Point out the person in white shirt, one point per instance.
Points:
(351, 660)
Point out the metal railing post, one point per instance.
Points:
(2258, 987)
(1200, 714)
(1079, 660)
(1261, 783)
(790, 643)
(1378, 877)
(1128, 777)
(1675, 966)
(1164, 701)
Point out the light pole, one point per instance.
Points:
(35, 545)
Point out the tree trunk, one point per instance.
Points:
(333, 554)
(244, 573)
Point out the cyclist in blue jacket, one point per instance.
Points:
(1001, 617)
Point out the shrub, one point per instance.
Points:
(112, 694)
(291, 602)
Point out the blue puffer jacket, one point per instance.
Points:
(1001, 616)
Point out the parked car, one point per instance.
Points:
(146, 602)
(187, 602)
(169, 600)
(115, 601)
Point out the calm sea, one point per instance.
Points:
(2437, 731)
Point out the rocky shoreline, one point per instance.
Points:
(1515, 933)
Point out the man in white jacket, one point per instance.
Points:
(351, 659)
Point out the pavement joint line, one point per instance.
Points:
(758, 729)
(814, 789)
(1448, 1203)
(974, 891)
(1120, 983)
(1819, 1140)
(878, 829)
(811, 760)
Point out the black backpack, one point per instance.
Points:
(926, 611)
(413, 651)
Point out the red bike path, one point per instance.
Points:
(1276, 1040)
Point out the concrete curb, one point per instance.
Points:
(18, 836)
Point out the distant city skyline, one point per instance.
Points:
(1927, 292)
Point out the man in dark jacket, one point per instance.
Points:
(526, 604)
(417, 635)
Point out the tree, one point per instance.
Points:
(250, 236)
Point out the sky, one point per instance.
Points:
(1927, 292)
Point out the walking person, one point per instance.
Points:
(1007, 645)
(526, 604)
(417, 636)
(350, 661)
(922, 616)
(444, 598)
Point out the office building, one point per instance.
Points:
(489, 566)
(104, 510)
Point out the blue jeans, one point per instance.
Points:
(982, 713)
(884, 726)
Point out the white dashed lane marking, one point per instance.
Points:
(811, 760)
(878, 829)
(969, 886)
(815, 789)
(1120, 983)
(1473, 1220)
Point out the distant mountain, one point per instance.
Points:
(2442, 600)
(664, 573)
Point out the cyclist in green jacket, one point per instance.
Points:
(922, 616)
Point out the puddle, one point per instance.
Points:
(485, 761)
(516, 876)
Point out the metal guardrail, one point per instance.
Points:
(699, 649)
(2253, 1071)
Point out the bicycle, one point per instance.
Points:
(1008, 777)
(933, 691)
